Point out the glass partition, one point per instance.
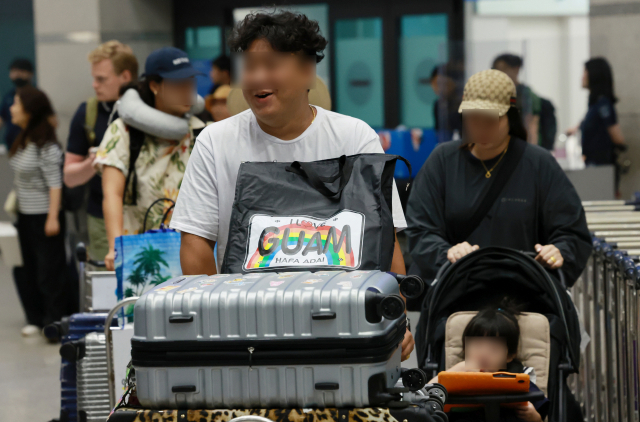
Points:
(359, 81)
(423, 46)
(203, 44)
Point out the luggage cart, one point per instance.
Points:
(612, 202)
(619, 237)
(590, 385)
(617, 227)
(611, 208)
(631, 276)
(599, 342)
(609, 301)
(424, 405)
(94, 277)
(109, 342)
(613, 218)
(579, 382)
(611, 329)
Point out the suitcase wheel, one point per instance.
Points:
(414, 379)
(412, 287)
(392, 307)
(437, 391)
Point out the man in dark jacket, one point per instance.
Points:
(21, 74)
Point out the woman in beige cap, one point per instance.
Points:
(493, 189)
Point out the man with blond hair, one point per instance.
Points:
(113, 65)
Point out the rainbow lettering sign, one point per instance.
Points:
(296, 241)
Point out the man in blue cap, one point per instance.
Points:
(139, 168)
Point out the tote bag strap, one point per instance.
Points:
(164, 217)
(307, 171)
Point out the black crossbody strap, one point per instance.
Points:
(516, 147)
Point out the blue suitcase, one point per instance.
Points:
(73, 329)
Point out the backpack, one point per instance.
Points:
(136, 140)
(90, 118)
(548, 124)
(73, 199)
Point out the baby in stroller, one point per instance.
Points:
(490, 344)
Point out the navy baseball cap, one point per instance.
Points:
(169, 63)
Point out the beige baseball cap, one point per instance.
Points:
(489, 90)
(221, 92)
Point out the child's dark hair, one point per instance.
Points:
(496, 321)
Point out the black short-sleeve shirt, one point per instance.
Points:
(79, 144)
(597, 145)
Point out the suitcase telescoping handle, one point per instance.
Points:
(111, 376)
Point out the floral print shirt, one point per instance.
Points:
(160, 168)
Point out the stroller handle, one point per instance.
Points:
(447, 264)
(561, 277)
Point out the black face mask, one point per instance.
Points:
(20, 82)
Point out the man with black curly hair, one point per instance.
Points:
(279, 53)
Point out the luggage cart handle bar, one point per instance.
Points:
(250, 418)
(109, 343)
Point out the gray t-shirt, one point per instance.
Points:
(208, 188)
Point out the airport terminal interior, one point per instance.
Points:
(144, 142)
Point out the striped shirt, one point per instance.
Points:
(34, 173)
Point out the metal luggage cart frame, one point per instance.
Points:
(631, 270)
(600, 344)
(86, 274)
(609, 304)
(109, 342)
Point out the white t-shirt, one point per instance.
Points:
(208, 188)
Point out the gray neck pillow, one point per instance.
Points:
(136, 113)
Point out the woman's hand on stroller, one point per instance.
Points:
(549, 256)
(460, 250)
(407, 345)
(528, 413)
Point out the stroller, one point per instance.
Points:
(481, 279)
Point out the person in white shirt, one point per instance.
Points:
(279, 54)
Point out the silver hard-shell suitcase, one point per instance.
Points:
(92, 382)
(324, 339)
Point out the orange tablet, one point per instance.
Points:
(482, 384)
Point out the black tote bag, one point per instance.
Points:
(329, 214)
